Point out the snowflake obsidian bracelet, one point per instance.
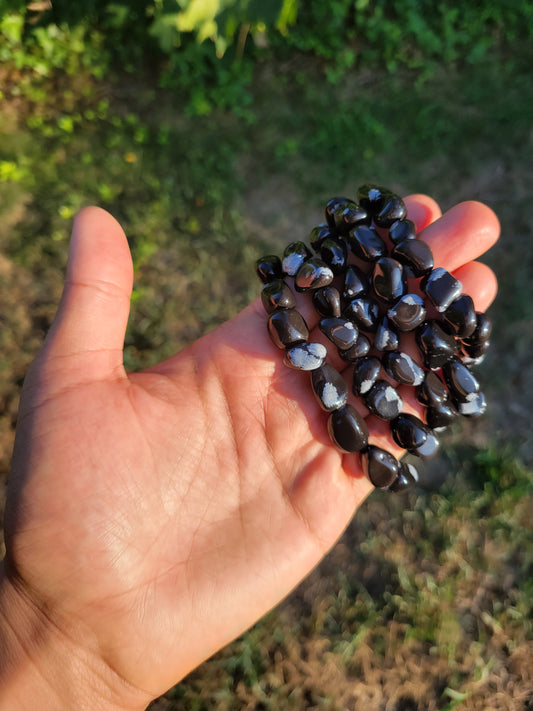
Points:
(371, 281)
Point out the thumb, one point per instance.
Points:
(87, 337)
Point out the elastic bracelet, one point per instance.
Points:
(371, 280)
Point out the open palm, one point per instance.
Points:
(154, 516)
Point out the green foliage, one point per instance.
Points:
(418, 34)
(51, 47)
(207, 49)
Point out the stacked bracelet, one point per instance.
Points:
(371, 280)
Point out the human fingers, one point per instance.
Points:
(462, 234)
(91, 321)
(479, 281)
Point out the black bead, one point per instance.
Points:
(327, 301)
(365, 373)
(313, 274)
(332, 205)
(402, 230)
(441, 288)
(415, 254)
(347, 429)
(407, 313)
(372, 197)
(320, 233)
(380, 466)
(461, 383)
(408, 431)
(407, 477)
(341, 332)
(393, 209)
(359, 349)
(402, 368)
(383, 401)
(388, 280)
(474, 407)
(366, 244)
(475, 351)
(386, 338)
(436, 345)
(461, 316)
(329, 387)
(482, 331)
(432, 391)
(429, 448)
(441, 414)
(305, 356)
(355, 283)
(294, 256)
(364, 312)
(334, 252)
(287, 327)
(277, 295)
(268, 268)
(348, 216)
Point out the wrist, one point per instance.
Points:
(40, 665)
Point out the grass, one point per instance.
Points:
(426, 600)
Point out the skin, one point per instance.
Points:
(152, 517)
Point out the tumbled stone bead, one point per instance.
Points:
(268, 268)
(402, 368)
(386, 338)
(383, 401)
(407, 477)
(365, 374)
(461, 383)
(471, 362)
(408, 431)
(355, 283)
(333, 252)
(329, 387)
(407, 313)
(380, 466)
(402, 230)
(359, 349)
(388, 280)
(313, 274)
(346, 217)
(461, 316)
(305, 356)
(432, 391)
(482, 331)
(372, 197)
(429, 448)
(435, 344)
(341, 332)
(294, 256)
(415, 254)
(277, 295)
(475, 351)
(474, 407)
(287, 327)
(364, 312)
(333, 205)
(327, 301)
(366, 244)
(393, 209)
(441, 414)
(348, 429)
(318, 234)
(441, 288)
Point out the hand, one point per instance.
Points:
(152, 517)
